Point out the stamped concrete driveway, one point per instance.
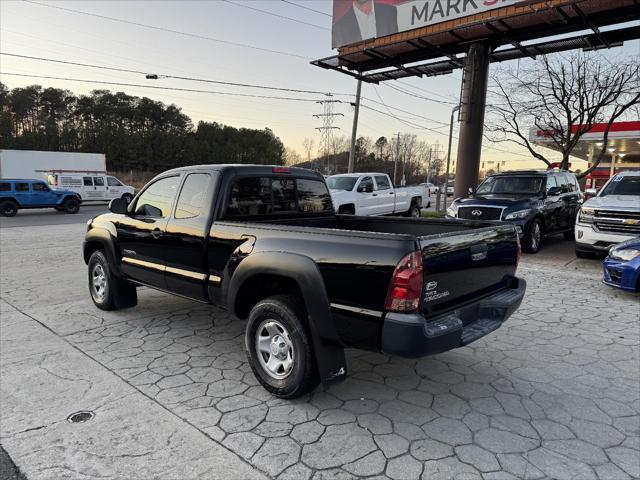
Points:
(554, 393)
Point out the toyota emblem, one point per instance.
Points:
(476, 213)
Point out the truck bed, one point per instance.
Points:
(393, 225)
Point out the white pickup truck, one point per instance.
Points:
(374, 194)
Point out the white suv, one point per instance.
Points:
(611, 217)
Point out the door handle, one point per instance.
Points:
(156, 233)
(390, 193)
(374, 194)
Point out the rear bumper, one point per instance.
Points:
(411, 335)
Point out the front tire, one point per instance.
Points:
(107, 291)
(71, 205)
(583, 254)
(279, 347)
(8, 208)
(533, 237)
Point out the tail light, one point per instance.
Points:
(519, 252)
(405, 289)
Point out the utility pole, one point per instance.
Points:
(326, 130)
(395, 163)
(354, 129)
(429, 165)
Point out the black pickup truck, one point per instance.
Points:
(266, 244)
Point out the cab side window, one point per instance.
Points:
(98, 181)
(365, 184)
(383, 182)
(113, 182)
(40, 187)
(5, 187)
(192, 195)
(155, 201)
(562, 182)
(551, 182)
(22, 187)
(87, 181)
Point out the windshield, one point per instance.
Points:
(511, 185)
(620, 185)
(341, 183)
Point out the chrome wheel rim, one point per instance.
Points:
(416, 212)
(535, 237)
(274, 349)
(98, 282)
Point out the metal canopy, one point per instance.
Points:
(553, 18)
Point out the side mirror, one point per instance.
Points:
(592, 192)
(554, 191)
(368, 188)
(118, 205)
(471, 190)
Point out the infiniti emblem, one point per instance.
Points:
(476, 212)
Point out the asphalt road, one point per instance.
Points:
(48, 216)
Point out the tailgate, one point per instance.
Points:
(463, 266)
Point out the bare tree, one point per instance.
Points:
(563, 99)
(291, 156)
(308, 144)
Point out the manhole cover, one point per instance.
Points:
(80, 417)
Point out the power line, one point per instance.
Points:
(422, 127)
(194, 79)
(422, 117)
(120, 84)
(431, 92)
(306, 8)
(406, 92)
(275, 14)
(169, 30)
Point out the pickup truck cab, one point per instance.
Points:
(537, 202)
(611, 217)
(266, 244)
(17, 194)
(374, 194)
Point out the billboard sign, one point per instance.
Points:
(358, 20)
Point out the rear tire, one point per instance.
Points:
(8, 208)
(533, 237)
(107, 291)
(279, 347)
(71, 205)
(414, 211)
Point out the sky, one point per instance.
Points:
(30, 28)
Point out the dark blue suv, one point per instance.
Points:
(538, 202)
(18, 194)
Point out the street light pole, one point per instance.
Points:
(446, 176)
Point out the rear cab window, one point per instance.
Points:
(5, 187)
(266, 196)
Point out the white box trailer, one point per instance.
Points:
(35, 164)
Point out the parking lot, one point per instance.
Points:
(554, 393)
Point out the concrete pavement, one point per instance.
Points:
(554, 393)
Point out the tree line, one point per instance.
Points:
(135, 133)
